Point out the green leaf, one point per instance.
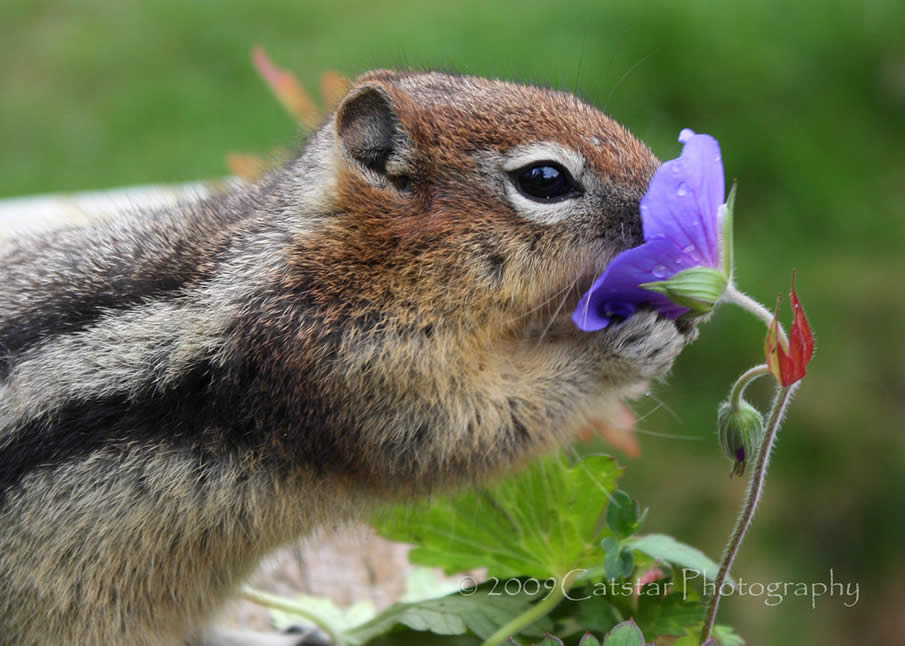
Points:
(340, 619)
(482, 613)
(593, 612)
(623, 514)
(588, 640)
(727, 637)
(425, 583)
(696, 565)
(722, 636)
(697, 288)
(670, 615)
(407, 637)
(619, 562)
(542, 522)
(625, 634)
(550, 640)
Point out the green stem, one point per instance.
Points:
(278, 603)
(755, 488)
(538, 610)
(738, 388)
(734, 296)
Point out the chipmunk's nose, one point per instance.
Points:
(625, 222)
(634, 231)
(619, 223)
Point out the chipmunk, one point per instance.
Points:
(184, 390)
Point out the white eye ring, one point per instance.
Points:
(537, 209)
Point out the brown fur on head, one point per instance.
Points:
(426, 197)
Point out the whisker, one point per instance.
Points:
(556, 313)
(579, 461)
(627, 73)
(552, 297)
(672, 436)
(587, 308)
(650, 412)
(662, 404)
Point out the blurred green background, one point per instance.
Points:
(808, 104)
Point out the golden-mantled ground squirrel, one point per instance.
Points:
(182, 391)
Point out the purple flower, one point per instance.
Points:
(685, 261)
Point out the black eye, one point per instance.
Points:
(545, 182)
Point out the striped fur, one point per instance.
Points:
(185, 390)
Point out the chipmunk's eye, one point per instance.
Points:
(545, 181)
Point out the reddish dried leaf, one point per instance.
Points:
(288, 90)
(334, 86)
(248, 167)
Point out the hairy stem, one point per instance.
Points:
(738, 388)
(540, 609)
(755, 488)
(734, 296)
(278, 603)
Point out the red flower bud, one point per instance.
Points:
(788, 360)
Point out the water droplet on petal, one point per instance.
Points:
(685, 135)
(682, 191)
(717, 159)
(692, 252)
(676, 167)
(660, 271)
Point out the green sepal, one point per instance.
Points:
(727, 212)
(697, 288)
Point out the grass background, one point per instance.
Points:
(808, 104)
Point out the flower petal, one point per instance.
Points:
(617, 293)
(684, 197)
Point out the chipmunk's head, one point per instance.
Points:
(460, 195)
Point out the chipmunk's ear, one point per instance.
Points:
(369, 129)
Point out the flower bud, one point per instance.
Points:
(740, 431)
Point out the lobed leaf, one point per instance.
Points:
(625, 634)
(542, 522)
(666, 548)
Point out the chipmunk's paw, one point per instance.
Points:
(647, 344)
(308, 636)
